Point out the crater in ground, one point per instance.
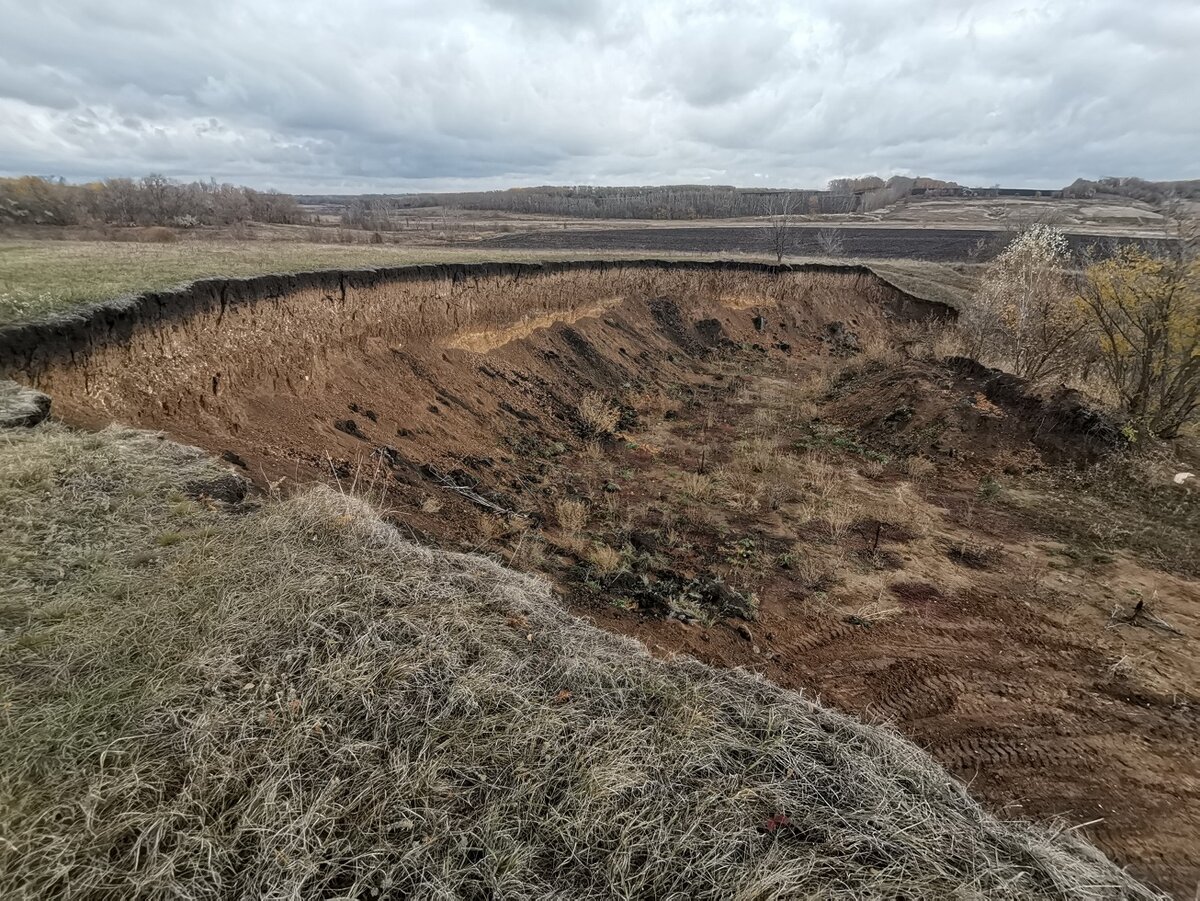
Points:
(767, 469)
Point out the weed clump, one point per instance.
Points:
(604, 558)
(572, 515)
(598, 416)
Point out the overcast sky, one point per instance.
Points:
(387, 95)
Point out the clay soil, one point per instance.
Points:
(809, 496)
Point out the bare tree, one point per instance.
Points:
(153, 200)
(830, 241)
(782, 208)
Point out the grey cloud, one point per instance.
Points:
(410, 95)
(569, 11)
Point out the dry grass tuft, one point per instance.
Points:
(304, 705)
(490, 527)
(840, 514)
(738, 488)
(873, 469)
(604, 558)
(593, 452)
(697, 486)
(647, 400)
(598, 416)
(759, 455)
(572, 515)
(919, 468)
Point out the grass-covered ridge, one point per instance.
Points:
(39, 279)
(288, 700)
(42, 279)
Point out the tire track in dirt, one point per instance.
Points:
(824, 635)
(1034, 725)
(917, 693)
(974, 753)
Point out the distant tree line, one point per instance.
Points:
(157, 200)
(148, 201)
(870, 192)
(1153, 192)
(589, 202)
(670, 202)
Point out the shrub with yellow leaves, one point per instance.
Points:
(1145, 310)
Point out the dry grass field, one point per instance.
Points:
(42, 278)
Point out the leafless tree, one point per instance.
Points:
(830, 241)
(153, 200)
(782, 207)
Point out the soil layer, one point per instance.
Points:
(875, 242)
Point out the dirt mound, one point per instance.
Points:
(1063, 422)
(960, 409)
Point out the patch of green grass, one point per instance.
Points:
(822, 437)
(740, 553)
(989, 489)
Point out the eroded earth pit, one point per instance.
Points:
(761, 467)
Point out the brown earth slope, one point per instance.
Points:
(783, 486)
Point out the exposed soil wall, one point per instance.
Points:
(187, 349)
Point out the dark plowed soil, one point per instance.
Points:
(775, 502)
(937, 244)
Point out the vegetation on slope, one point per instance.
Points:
(209, 698)
(1129, 324)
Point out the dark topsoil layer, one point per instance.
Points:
(937, 244)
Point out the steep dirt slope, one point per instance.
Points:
(223, 359)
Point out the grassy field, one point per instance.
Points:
(42, 278)
(210, 698)
(39, 279)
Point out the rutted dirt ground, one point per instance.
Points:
(794, 487)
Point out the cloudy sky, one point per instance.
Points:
(449, 94)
